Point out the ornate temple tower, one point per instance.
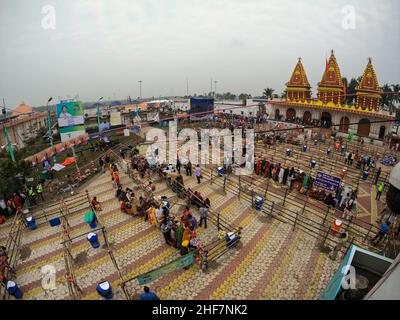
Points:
(368, 92)
(298, 88)
(330, 89)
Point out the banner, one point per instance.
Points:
(71, 119)
(70, 114)
(327, 181)
(68, 133)
(153, 116)
(115, 118)
(153, 275)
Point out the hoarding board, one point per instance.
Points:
(327, 182)
(71, 119)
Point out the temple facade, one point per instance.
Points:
(330, 107)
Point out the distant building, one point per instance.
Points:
(24, 123)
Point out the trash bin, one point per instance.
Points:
(305, 148)
(313, 164)
(104, 289)
(258, 203)
(93, 239)
(220, 171)
(365, 175)
(231, 238)
(93, 224)
(12, 289)
(31, 223)
(336, 225)
(288, 152)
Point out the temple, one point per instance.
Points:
(330, 107)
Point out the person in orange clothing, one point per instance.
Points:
(151, 214)
(116, 178)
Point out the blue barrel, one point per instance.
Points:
(365, 175)
(93, 224)
(305, 148)
(313, 164)
(31, 223)
(342, 148)
(104, 290)
(328, 151)
(315, 142)
(12, 289)
(231, 238)
(93, 239)
(220, 171)
(258, 203)
(288, 152)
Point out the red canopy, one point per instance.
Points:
(68, 161)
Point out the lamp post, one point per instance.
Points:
(98, 114)
(50, 126)
(10, 147)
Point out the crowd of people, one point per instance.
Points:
(179, 231)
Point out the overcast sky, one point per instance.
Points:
(103, 47)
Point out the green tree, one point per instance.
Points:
(12, 175)
(268, 93)
(387, 97)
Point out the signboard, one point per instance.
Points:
(70, 113)
(115, 118)
(327, 181)
(71, 119)
(153, 275)
(154, 116)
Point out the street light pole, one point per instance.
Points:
(140, 88)
(215, 91)
(50, 126)
(10, 147)
(98, 114)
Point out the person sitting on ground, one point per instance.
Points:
(330, 201)
(148, 295)
(96, 204)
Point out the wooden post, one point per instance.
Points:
(211, 175)
(284, 199)
(266, 189)
(272, 208)
(218, 227)
(239, 186)
(366, 236)
(295, 220)
(325, 237)
(326, 216)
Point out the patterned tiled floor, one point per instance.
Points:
(272, 261)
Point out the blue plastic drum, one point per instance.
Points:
(305, 148)
(93, 239)
(12, 289)
(220, 171)
(313, 164)
(365, 175)
(104, 290)
(31, 223)
(258, 203)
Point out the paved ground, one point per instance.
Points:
(273, 262)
